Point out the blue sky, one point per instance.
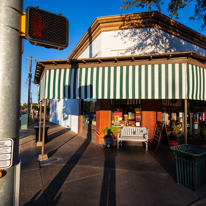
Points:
(80, 14)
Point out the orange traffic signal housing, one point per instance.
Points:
(46, 29)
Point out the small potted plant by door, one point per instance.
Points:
(177, 134)
(110, 133)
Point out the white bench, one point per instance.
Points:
(139, 134)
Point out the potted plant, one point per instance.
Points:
(177, 134)
(111, 132)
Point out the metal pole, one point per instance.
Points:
(185, 113)
(44, 127)
(39, 139)
(29, 87)
(10, 87)
(43, 156)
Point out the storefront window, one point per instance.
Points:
(89, 112)
(198, 117)
(126, 113)
(172, 113)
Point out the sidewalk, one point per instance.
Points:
(79, 172)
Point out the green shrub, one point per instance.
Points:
(110, 130)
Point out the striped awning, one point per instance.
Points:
(196, 85)
(156, 81)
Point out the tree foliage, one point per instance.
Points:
(173, 7)
(25, 106)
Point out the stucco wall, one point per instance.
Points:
(65, 113)
(94, 49)
(138, 42)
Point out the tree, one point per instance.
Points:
(173, 7)
(34, 104)
(25, 106)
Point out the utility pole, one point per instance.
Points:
(29, 87)
(10, 87)
(31, 101)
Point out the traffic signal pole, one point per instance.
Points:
(10, 86)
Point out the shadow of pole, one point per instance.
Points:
(61, 176)
(108, 191)
(51, 153)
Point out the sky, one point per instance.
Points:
(81, 15)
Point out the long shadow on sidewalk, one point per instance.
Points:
(60, 177)
(57, 134)
(51, 153)
(108, 191)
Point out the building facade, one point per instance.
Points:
(129, 70)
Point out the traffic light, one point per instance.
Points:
(46, 29)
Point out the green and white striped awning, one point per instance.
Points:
(196, 82)
(158, 81)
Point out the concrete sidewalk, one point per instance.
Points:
(80, 172)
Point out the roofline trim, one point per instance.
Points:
(138, 20)
(41, 65)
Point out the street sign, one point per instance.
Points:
(6, 152)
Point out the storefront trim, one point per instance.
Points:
(158, 76)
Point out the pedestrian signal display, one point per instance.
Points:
(46, 29)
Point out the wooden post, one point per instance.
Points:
(185, 113)
(38, 114)
(43, 156)
(39, 143)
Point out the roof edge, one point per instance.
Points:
(137, 20)
(41, 65)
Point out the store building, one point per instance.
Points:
(129, 70)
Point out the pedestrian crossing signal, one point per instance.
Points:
(46, 29)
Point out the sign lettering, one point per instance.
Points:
(6, 152)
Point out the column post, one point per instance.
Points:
(39, 143)
(185, 113)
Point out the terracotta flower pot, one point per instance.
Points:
(1, 172)
(114, 144)
(101, 135)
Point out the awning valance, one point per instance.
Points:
(155, 81)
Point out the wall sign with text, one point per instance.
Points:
(6, 152)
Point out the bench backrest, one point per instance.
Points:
(133, 131)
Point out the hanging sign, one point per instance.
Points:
(6, 152)
(159, 129)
